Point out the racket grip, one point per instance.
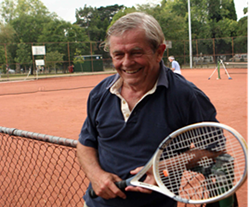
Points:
(121, 185)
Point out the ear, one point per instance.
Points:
(160, 51)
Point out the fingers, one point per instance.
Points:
(106, 188)
(135, 171)
(138, 189)
(149, 179)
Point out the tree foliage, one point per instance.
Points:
(53, 59)
(78, 58)
(26, 17)
(23, 55)
(29, 21)
(32, 22)
(7, 33)
(96, 20)
(61, 31)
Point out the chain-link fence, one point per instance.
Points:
(67, 57)
(207, 51)
(39, 170)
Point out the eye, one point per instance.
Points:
(118, 55)
(137, 53)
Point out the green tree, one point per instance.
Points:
(6, 33)
(2, 55)
(78, 59)
(57, 34)
(12, 9)
(221, 11)
(230, 10)
(23, 55)
(27, 17)
(242, 27)
(214, 10)
(6, 36)
(96, 20)
(53, 59)
(7, 10)
(245, 10)
(241, 41)
(121, 13)
(173, 24)
(62, 31)
(28, 28)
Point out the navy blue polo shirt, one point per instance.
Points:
(123, 146)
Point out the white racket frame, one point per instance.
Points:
(161, 187)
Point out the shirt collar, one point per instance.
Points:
(163, 77)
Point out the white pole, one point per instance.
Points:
(190, 35)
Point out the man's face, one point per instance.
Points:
(133, 58)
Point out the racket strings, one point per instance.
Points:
(210, 177)
(234, 149)
(190, 181)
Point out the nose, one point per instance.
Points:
(128, 60)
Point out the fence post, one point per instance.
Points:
(68, 53)
(214, 51)
(232, 46)
(5, 50)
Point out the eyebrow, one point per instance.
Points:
(133, 49)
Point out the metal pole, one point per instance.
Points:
(68, 53)
(190, 35)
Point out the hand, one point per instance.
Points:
(149, 179)
(103, 185)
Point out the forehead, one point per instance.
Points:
(133, 39)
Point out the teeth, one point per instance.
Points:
(131, 71)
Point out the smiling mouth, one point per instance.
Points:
(131, 71)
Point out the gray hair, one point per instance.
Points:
(137, 20)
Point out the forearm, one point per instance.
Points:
(88, 159)
(188, 159)
(194, 156)
(103, 183)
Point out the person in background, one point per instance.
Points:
(130, 113)
(175, 65)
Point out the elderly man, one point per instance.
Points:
(131, 112)
(175, 65)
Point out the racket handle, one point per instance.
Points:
(121, 185)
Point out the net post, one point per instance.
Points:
(218, 69)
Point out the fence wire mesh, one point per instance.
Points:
(39, 170)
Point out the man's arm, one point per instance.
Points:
(102, 181)
(187, 160)
(178, 163)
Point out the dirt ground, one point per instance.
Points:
(57, 106)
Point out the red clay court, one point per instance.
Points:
(57, 106)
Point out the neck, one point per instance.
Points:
(141, 88)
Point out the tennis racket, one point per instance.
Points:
(197, 164)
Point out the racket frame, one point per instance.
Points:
(162, 189)
(153, 162)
